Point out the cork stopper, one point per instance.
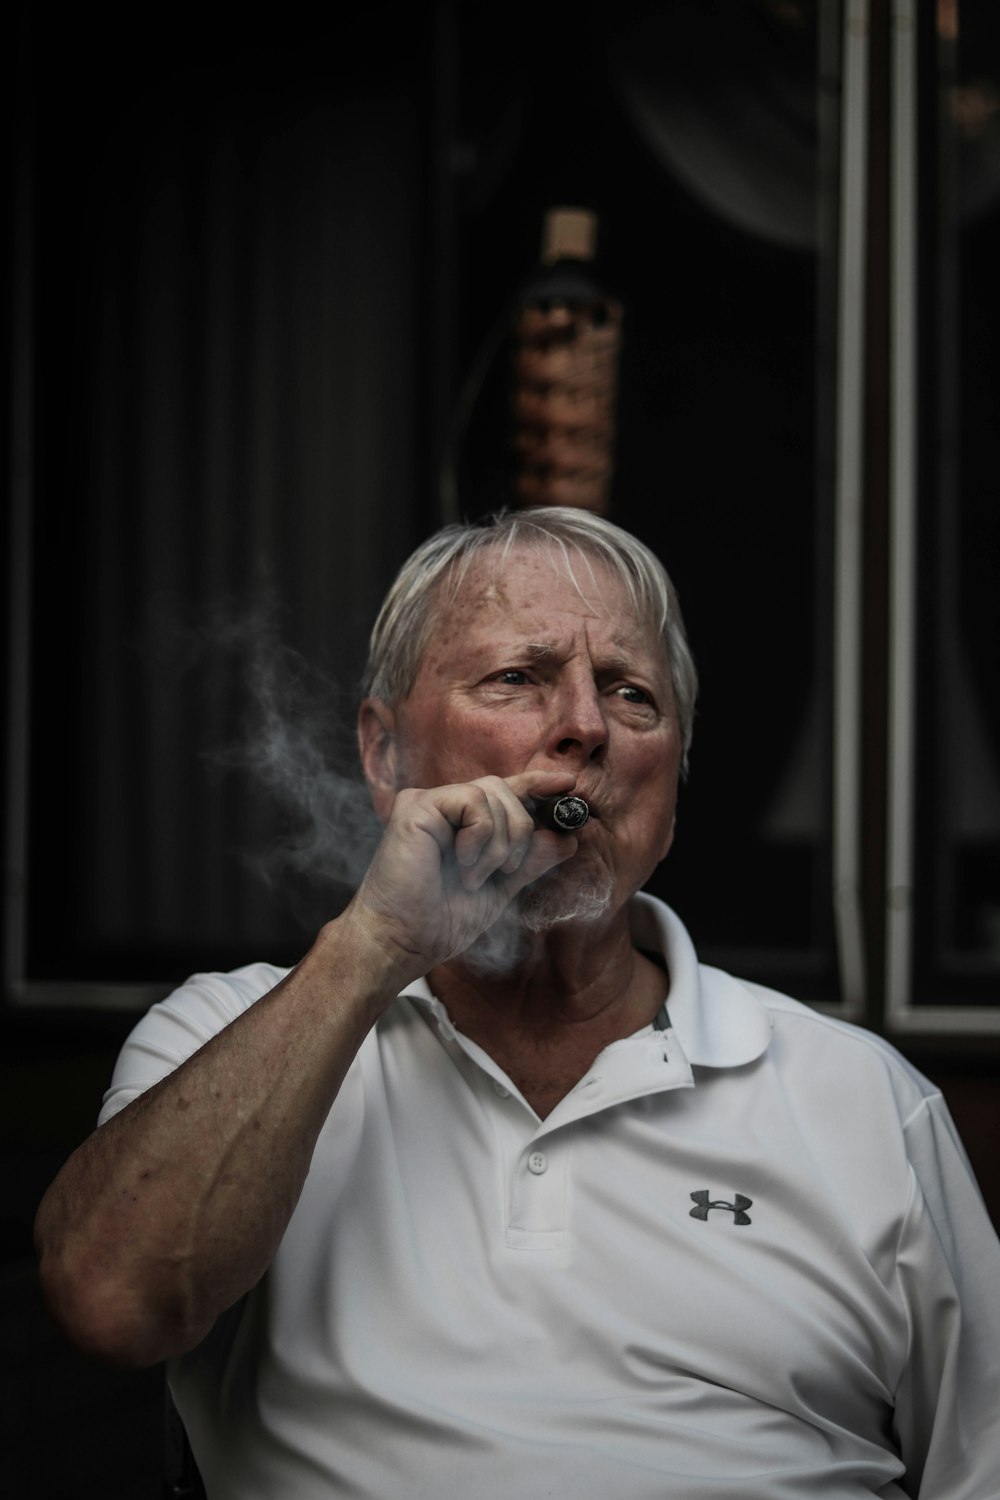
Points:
(568, 234)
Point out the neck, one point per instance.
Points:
(570, 992)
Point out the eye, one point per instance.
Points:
(633, 694)
(513, 677)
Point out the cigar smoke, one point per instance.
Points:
(299, 747)
(295, 741)
(296, 744)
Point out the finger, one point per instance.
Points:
(517, 830)
(547, 850)
(482, 842)
(485, 824)
(504, 850)
(528, 784)
(459, 818)
(521, 832)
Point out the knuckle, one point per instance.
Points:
(404, 802)
(481, 809)
(493, 788)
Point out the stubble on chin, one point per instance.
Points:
(539, 908)
(562, 896)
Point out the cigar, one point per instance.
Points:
(564, 814)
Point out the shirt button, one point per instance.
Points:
(537, 1162)
(499, 1090)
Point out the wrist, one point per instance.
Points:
(359, 948)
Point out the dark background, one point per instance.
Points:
(260, 272)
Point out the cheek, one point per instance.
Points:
(668, 841)
(662, 814)
(451, 748)
(487, 745)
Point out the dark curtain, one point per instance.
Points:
(229, 245)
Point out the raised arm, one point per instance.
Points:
(174, 1209)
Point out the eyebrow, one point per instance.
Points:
(542, 651)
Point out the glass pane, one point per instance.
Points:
(957, 943)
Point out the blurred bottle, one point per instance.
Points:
(564, 368)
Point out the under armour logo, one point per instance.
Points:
(738, 1209)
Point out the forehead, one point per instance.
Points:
(536, 590)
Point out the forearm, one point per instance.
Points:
(174, 1209)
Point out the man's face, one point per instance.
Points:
(527, 671)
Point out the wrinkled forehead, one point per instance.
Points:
(505, 575)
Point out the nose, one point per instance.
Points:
(579, 728)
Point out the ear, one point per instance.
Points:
(378, 746)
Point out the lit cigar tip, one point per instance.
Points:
(565, 814)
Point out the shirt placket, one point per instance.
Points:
(537, 1155)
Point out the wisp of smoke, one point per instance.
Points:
(296, 742)
(298, 746)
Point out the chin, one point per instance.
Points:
(562, 896)
(549, 903)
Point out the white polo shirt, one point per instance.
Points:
(744, 1257)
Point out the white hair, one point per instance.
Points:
(435, 571)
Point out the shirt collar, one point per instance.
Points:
(717, 1020)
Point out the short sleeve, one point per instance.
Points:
(948, 1402)
(177, 1027)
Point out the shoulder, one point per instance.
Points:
(724, 1022)
(174, 1029)
(205, 1003)
(852, 1095)
(816, 1041)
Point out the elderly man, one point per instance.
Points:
(499, 1192)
